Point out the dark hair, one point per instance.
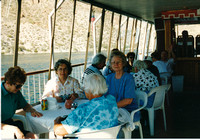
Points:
(156, 55)
(15, 75)
(185, 34)
(66, 62)
(119, 54)
(115, 49)
(131, 54)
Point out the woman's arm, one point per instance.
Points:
(58, 127)
(124, 102)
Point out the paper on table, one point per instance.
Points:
(52, 103)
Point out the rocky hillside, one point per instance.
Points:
(34, 28)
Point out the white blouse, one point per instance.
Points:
(54, 86)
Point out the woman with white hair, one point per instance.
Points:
(144, 79)
(99, 113)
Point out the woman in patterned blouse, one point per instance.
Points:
(63, 85)
(144, 80)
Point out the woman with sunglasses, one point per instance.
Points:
(11, 100)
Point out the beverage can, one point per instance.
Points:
(44, 104)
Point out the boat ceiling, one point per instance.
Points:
(145, 9)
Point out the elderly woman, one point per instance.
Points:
(99, 112)
(144, 79)
(63, 85)
(11, 100)
(121, 84)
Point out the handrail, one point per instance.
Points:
(42, 71)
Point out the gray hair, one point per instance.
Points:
(98, 59)
(120, 55)
(140, 64)
(95, 84)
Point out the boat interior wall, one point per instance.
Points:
(148, 9)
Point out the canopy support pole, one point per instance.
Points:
(52, 41)
(125, 34)
(120, 18)
(15, 58)
(88, 38)
(111, 28)
(72, 33)
(101, 31)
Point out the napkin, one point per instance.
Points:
(52, 103)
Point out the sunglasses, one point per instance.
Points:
(18, 86)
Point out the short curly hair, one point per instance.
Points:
(118, 54)
(15, 75)
(95, 84)
(66, 62)
(139, 64)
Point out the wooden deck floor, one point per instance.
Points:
(183, 117)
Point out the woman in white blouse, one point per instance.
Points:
(63, 85)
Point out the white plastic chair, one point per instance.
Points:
(140, 96)
(108, 133)
(157, 104)
(165, 79)
(168, 86)
(165, 76)
(9, 134)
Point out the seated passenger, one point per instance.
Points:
(144, 80)
(63, 85)
(108, 69)
(168, 60)
(11, 100)
(158, 63)
(121, 84)
(130, 56)
(99, 112)
(153, 69)
(98, 62)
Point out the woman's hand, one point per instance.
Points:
(74, 96)
(34, 113)
(59, 99)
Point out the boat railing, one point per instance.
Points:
(34, 86)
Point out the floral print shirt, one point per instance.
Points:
(54, 86)
(98, 113)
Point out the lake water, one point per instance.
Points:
(32, 62)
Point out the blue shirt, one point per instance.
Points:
(99, 113)
(122, 89)
(10, 102)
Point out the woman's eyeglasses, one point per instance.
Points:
(116, 63)
(18, 86)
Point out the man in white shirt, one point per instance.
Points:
(158, 63)
(168, 59)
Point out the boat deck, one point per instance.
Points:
(182, 116)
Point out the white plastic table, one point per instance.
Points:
(45, 123)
